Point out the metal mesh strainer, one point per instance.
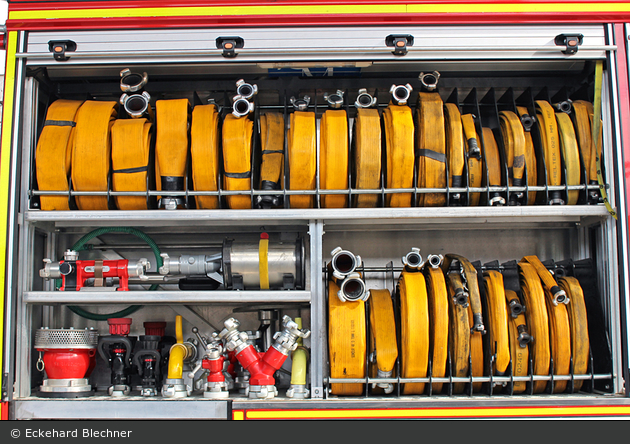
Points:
(65, 338)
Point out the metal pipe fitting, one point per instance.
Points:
(413, 260)
(191, 265)
(131, 82)
(343, 262)
(287, 340)
(334, 100)
(300, 104)
(233, 338)
(400, 93)
(516, 308)
(388, 387)
(136, 105)
(524, 337)
(559, 296)
(460, 297)
(565, 106)
(429, 79)
(435, 260)
(246, 90)
(497, 201)
(352, 288)
(364, 100)
(241, 106)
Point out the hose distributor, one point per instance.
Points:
(262, 366)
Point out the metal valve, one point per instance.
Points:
(241, 106)
(300, 104)
(246, 90)
(335, 100)
(429, 79)
(131, 82)
(136, 105)
(413, 260)
(364, 100)
(286, 340)
(401, 93)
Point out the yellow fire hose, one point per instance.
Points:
(530, 159)
(470, 277)
(399, 140)
(476, 353)
(431, 148)
(438, 322)
(548, 126)
(333, 152)
(497, 320)
(302, 157)
(570, 154)
(459, 329)
(92, 151)
(519, 340)
(53, 155)
(272, 155)
(513, 136)
(492, 172)
(580, 117)
(204, 154)
(367, 156)
(473, 155)
(454, 148)
(383, 342)
(560, 337)
(237, 159)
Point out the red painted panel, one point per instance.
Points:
(4, 411)
(624, 101)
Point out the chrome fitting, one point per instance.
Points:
(524, 337)
(234, 339)
(400, 93)
(335, 100)
(262, 391)
(118, 391)
(171, 203)
(286, 340)
(296, 391)
(343, 262)
(413, 259)
(51, 270)
(565, 106)
(559, 296)
(497, 201)
(70, 255)
(131, 82)
(175, 388)
(136, 105)
(388, 387)
(429, 79)
(300, 104)
(139, 269)
(435, 260)
(216, 390)
(516, 308)
(352, 288)
(460, 298)
(246, 90)
(241, 106)
(190, 265)
(364, 100)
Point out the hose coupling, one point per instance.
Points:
(343, 262)
(233, 338)
(287, 340)
(429, 80)
(335, 100)
(460, 297)
(300, 104)
(364, 100)
(413, 260)
(246, 90)
(400, 93)
(352, 288)
(241, 106)
(478, 324)
(388, 387)
(136, 105)
(516, 308)
(497, 201)
(559, 296)
(527, 121)
(524, 337)
(131, 82)
(435, 260)
(565, 106)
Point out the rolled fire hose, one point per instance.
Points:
(570, 154)
(414, 327)
(367, 156)
(497, 321)
(272, 154)
(131, 146)
(53, 155)
(519, 338)
(171, 148)
(347, 342)
(513, 136)
(560, 338)
(459, 330)
(548, 281)
(493, 166)
(92, 151)
(438, 323)
(537, 321)
(454, 148)
(580, 344)
(399, 150)
(470, 277)
(431, 151)
(476, 354)
(333, 152)
(383, 343)
(302, 157)
(204, 154)
(531, 165)
(473, 155)
(548, 127)
(237, 159)
(580, 117)
(596, 148)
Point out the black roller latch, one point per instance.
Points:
(229, 45)
(400, 42)
(571, 42)
(59, 48)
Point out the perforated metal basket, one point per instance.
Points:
(52, 338)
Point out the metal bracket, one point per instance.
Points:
(229, 45)
(399, 42)
(570, 42)
(60, 47)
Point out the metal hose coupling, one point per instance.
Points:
(559, 296)
(246, 90)
(131, 82)
(461, 297)
(287, 340)
(497, 200)
(400, 93)
(241, 106)
(364, 100)
(413, 260)
(429, 80)
(343, 262)
(352, 288)
(234, 339)
(435, 260)
(386, 386)
(136, 105)
(516, 308)
(335, 100)
(300, 104)
(524, 337)
(565, 106)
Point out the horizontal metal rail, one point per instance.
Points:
(454, 379)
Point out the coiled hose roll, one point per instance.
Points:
(81, 245)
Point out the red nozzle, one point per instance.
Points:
(119, 326)
(154, 328)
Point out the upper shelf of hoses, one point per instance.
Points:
(427, 148)
(452, 326)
